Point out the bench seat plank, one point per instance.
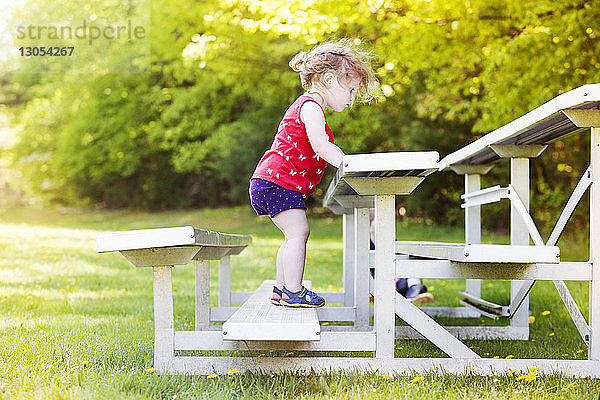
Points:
(258, 319)
(481, 253)
(166, 237)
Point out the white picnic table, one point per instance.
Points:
(367, 181)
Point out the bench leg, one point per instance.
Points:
(385, 236)
(361, 266)
(519, 235)
(164, 328)
(202, 295)
(594, 349)
(348, 258)
(473, 228)
(225, 281)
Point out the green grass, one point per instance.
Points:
(77, 324)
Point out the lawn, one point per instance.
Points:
(77, 324)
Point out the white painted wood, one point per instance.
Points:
(519, 234)
(324, 313)
(383, 366)
(348, 270)
(365, 186)
(361, 256)
(258, 319)
(225, 281)
(430, 329)
(445, 269)
(594, 319)
(385, 234)
(163, 313)
(584, 118)
(571, 99)
(174, 255)
(522, 209)
(471, 169)
(486, 307)
(473, 228)
(393, 161)
(406, 165)
(518, 151)
(351, 202)
(330, 341)
(146, 238)
(202, 289)
(481, 253)
(484, 196)
(167, 237)
(450, 312)
(470, 332)
(518, 298)
(576, 315)
(584, 182)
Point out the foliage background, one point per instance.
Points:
(189, 133)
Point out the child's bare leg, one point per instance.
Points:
(292, 253)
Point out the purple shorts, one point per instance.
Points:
(268, 198)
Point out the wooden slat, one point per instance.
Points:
(539, 126)
(481, 253)
(258, 319)
(168, 237)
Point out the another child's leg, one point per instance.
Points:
(292, 253)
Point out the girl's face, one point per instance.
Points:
(340, 95)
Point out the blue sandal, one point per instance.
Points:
(274, 300)
(302, 298)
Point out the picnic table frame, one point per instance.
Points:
(366, 181)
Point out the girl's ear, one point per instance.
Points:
(328, 78)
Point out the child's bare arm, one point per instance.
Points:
(314, 120)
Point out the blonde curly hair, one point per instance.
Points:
(342, 58)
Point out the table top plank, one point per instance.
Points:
(542, 125)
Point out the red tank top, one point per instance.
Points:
(291, 161)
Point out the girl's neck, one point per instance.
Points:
(317, 97)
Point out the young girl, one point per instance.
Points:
(332, 74)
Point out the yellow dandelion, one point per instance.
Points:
(211, 376)
(579, 351)
(261, 355)
(417, 379)
(431, 288)
(289, 354)
(513, 372)
(232, 371)
(443, 283)
(521, 377)
(530, 377)
(325, 323)
(399, 348)
(533, 369)
(509, 356)
(551, 334)
(386, 377)
(150, 370)
(546, 312)
(496, 357)
(531, 319)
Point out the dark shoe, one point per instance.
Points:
(417, 294)
(303, 298)
(275, 300)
